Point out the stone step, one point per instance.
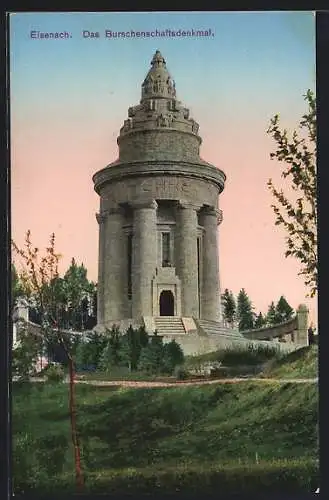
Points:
(169, 325)
(213, 327)
(169, 322)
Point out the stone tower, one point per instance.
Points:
(158, 219)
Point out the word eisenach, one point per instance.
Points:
(40, 34)
(148, 34)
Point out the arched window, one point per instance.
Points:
(166, 250)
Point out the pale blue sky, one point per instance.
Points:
(260, 54)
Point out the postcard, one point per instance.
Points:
(164, 252)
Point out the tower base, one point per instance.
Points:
(195, 336)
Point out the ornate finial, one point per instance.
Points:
(158, 82)
(158, 106)
(158, 59)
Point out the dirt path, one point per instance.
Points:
(149, 384)
(145, 384)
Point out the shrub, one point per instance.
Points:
(181, 373)
(131, 347)
(151, 356)
(247, 355)
(54, 374)
(172, 356)
(89, 350)
(25, 356)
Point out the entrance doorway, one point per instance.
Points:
(167, 303)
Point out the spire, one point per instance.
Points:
(158, 82)
(158, 107)
(158, 59)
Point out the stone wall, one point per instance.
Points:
(294, 330)
(195, 344)
(166, 187)
(159, 144)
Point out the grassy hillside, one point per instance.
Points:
(236, 355)
(298, 364)
(232, 437)
(263, 360)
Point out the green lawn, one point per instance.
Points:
(248, 436)
(302, 363)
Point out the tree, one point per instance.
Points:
(172, 356)
(132, 344)
(229, 306)
(279, 313)
(150, 360)
(41, 280)
(271, 318)
(244, 311)
(299, 217)
(260, 321)
(112, 353)
(283, 310)
(24, 355)
(89, 351)
(78, 291)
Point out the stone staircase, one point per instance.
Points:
(213, 327)
(169, 325)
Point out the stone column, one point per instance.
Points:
(113, 270)
(144, 259)
(302, 319)
(101, 218)
(187, 259)
(210, 295)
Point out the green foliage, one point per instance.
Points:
(271, 318)
(213, 432)
(299, 216)
(260, 321)
(76, 289)
(131, 346)
(277, 477)
(279, 313)
(172, 356)
(244, 311)
(54, 374)
(42, 282)
(229, 304)
(25, 355)
(250, 354)
(111, 356)
(38, 275)
(151, 356)
(57, 301)
(47, 461)
(181, 373)
(90, 349)
(136, 352)
(302, 363)
(283, 310)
